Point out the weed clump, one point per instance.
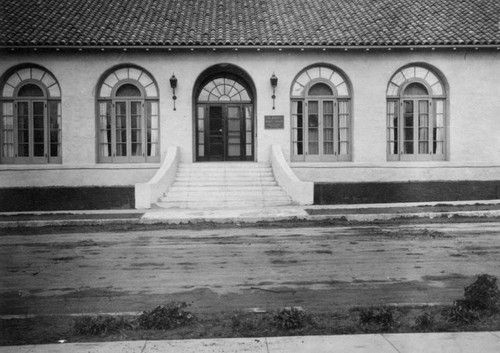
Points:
(483, 294)
(381, 317)
(425, 322)
(99, 325)
(291, 318)
(462, 314)
(480, 298)
(165, 317)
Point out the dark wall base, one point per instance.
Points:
(352, 193)
(66, 198)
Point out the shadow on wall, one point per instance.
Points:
(357, 193)
(66, 198)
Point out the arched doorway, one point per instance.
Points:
(224, 115)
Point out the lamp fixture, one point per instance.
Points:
(173, 84)
(274, 83)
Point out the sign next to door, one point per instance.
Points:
(274, 122)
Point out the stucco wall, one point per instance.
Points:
(474, 112)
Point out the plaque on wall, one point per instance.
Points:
(274, 122)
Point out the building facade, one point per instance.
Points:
(364, 122)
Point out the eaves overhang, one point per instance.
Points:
(266, 48)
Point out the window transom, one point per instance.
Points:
(114, 83)
(407, 76)
(308, 79)
(223, 89)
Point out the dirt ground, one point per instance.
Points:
(224, 269)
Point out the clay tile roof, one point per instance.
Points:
(42, 23)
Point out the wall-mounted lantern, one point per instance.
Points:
(274, 83)
(173, 84)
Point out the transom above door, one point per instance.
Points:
(224, 121)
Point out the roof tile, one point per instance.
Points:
(249, 22)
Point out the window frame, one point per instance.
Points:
(297, 132)
(397, 138)
(147, 115)
(18, 78)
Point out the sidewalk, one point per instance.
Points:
(357, 212)
(463, 342)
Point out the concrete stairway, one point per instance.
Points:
(224, 185)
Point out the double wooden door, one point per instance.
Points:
(225, 132)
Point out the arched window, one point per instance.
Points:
(30, 117)
(321, 115)
(128, 117)
(416, 115)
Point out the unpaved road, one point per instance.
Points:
(226, 269)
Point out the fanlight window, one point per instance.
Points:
(31, 74)
(415, 73)
(321, 116)
(416, 115)
(128, 117)
(327, 74)
(139, 77)
(223, 89)
(30, 119)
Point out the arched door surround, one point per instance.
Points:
(224, 115)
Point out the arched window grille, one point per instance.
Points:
(128, 117)
(223, 89)
(416, 115)
(321, 115)
(30, 116)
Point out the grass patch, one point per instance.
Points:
(291, 318)
(425, 322)
(100, 325)
(377, 318)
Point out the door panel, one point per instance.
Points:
(215, 134)
(313, 128)
(38, 129)
(234, 133)
(23, 139)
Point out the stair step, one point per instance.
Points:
(223, 165)
(221, 183)
(224, 185)
(226, 188)
(228, 204)
(224, 172)
(223, 198)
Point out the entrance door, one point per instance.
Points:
(225, 132)
(224, 120)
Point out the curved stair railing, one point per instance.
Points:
(301, 192)
(149, 193)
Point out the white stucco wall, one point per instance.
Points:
(474, 112)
